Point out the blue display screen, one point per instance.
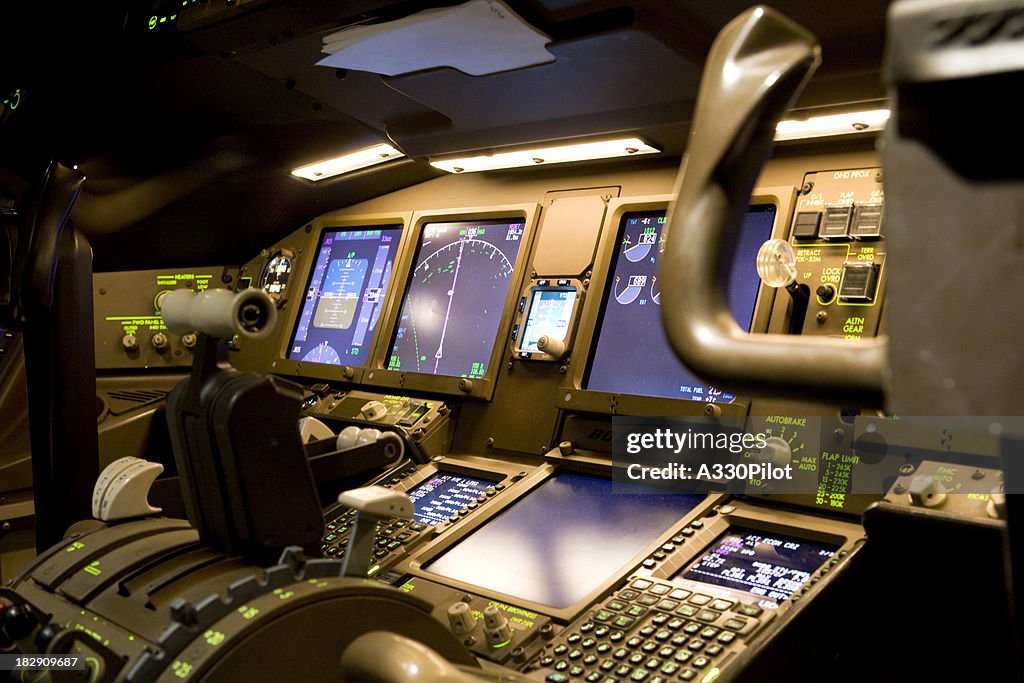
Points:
(444, 494)
(455, 298)
(632, 354)
(562, 540)
(345, 295)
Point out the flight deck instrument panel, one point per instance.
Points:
(564, 577)
(455, 298)
(345, 295)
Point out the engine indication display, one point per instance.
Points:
(345, 294)
(770, 565)
(642, 362)
(456, 295)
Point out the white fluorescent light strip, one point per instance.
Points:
(836, 124)
(347, 163)
(542, 156)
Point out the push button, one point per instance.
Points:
(837, 223)
(860, 281)
(805, 225)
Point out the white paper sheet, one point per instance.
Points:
(478, 38)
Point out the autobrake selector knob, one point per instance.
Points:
(776, 451)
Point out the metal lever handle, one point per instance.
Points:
(385, 657)
(757, 64)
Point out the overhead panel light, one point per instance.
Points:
(543, 156)
(870, 121)
(322, 170)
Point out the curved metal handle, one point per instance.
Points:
(386, 657)
(757, 64)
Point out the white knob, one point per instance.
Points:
(776, 451)
(312, 429)
(367, 436)
(496, 626)
(551, 346)
(377, 501)
(927, 492)
(347, 438)
(461, 619)
(373, 410)
(129, 342)
(122, 489)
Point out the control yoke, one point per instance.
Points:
(757, 64)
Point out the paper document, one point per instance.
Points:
(478, 38)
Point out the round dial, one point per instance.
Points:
(627, 289)
(322, 353)
(274, 280)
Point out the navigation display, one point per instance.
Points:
(455, 298)
(632, 354)
(444, 494)
(345, 294)
(563, 540)
(767, 564)
(550, 314)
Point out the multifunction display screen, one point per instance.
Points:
(456, 295)
(563, 540)
(632, 354)
(345, 295)
(444, 494)
(550, 314)
(770, 565)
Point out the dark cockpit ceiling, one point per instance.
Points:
(187, 136)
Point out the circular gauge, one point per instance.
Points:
(639, 251)
(274, 280)
(655, 291)
(627, 292)
(323, 354)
